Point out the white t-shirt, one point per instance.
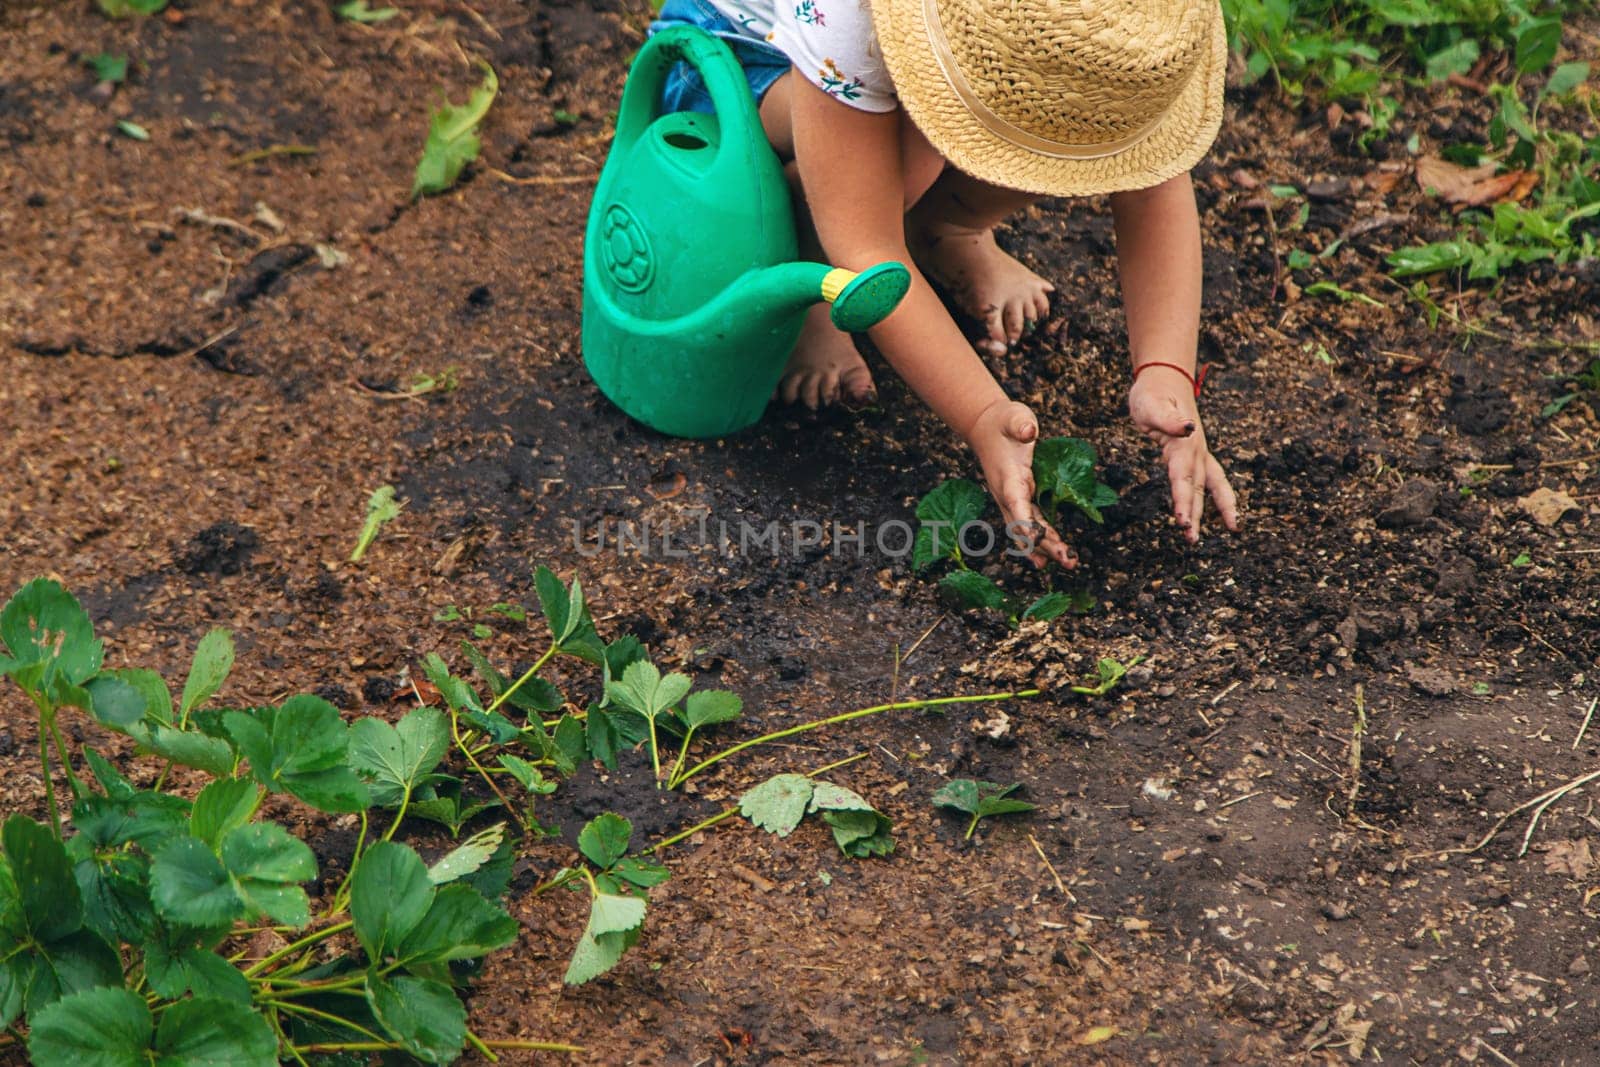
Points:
(831, 42)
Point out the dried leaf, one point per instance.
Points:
(1572, 858)
(1095, 1035)
(1546, 506)
(1466, 186)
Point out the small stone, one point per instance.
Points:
(1431, 681)
(1580, 965)
(1411, 505)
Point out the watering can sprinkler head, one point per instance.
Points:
(861, 301)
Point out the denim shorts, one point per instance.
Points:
(684, 90)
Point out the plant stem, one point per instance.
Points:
(971, 826)
(290, 949)
(555, 883)
(455, 732)
(655, 750)
(341, 896)
(327, 1017)
(66, 758)
(506, 1045)
(672, 776)
(49, 784)
(859, 713)
(405, 802)
(520, 682)
(696, 828)
(477, 1042)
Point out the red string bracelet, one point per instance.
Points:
(1196, 381)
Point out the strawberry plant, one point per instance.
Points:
(1108, 672)
(778, 804)
(1064, 477)
(979, 800)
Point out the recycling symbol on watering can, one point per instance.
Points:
(626, 250)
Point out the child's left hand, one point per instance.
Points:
(1166, 412)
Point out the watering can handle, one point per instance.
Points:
(724, 79)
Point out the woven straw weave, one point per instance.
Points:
(1060, 97)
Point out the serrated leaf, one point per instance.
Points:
(300, 748)
(527, 775)
(711, 706)
(825, 796)
(459, 925)
(188, 748)
(965, 590)
(96, 1028)
(46, 892)
(778, 804)
(389, 894)
(114, 703)
(43, 624)
(643, 689)
(267, 864)
(1049, 606)
(208, 1030)
(1064, 473)
(213, 659)
(116, 894)
(469, 856)
(189, 885)
(1537, 42)
(640, 873)
(860, 833)
(150, 685)
(382, 508)
(224, 805)
(423, 1015)
(175, 969)
(614, 925)
(395, 759)
(452, 138)
(604, 840)
(943, 514)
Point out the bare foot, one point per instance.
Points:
(825, 367)
(991, 286)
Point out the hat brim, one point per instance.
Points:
(1180, 139)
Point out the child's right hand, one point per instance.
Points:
(1003, 437)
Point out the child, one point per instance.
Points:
(912, 128)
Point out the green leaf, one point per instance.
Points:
(469, 856)
(381, 509)
(107, 67)
(131, 129)
(640, 873)
(300, 748)
(189, 885)
(188, 748)
(860, 833)
(527, 775)
(1457, 58)
(711, 706)
(825, 796)
(614, 924)
(157, 698)
(533, 695)
(778, 804)
(45, 624)
(144, 818)
(456, 692)
(207, 1030)
(1048, 607)
(423, 1015)
(358, 11)
(224, 805)
(389, 895)
(1428, 259)
(981, 799)
(213, 659)
(96, 1028)
(174, 969)
(114, 703)
(1566, 78)
(960, 794)
(47, 901)
(441, 801)
(1537, 42)
(604, 840)
(969, 589)
(601, 736)
(80, 960)
(459, 925)
(1063, 471)
(944, 513)
(644, 690)
(452, 138)
(123, 8)
(267, 864)
(116, 894)
(395, 759)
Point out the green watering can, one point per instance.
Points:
(692, 294)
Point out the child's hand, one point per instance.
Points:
(1003, 437)
(1166, 411)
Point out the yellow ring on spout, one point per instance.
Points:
(834, 282)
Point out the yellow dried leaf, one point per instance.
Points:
(1095, 1035)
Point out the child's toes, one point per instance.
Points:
(855, 385)
(994, 344)
(1041, 305)
(1013, 319)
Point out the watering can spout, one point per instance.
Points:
(860, 301)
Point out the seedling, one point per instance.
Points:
(1109, 672)
(422, 383)
(119, 9)
(381, 508)
(616, 901)
(1063, 474)
(453, 138)
(979, 800)
(1522, 560)
(778, 804)
(358, 11)
(107, 67)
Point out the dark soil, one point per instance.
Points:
(202, 401)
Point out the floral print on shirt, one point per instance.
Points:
(836, 83)
(832, 46)
(809, 13)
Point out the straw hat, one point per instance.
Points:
(1060, 97)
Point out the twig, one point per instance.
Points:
(1239, 800)
(1060, 885)
(1576, 741)
(1496, 1053)
(543, 179)
(1219, 697)
(1540, 801)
